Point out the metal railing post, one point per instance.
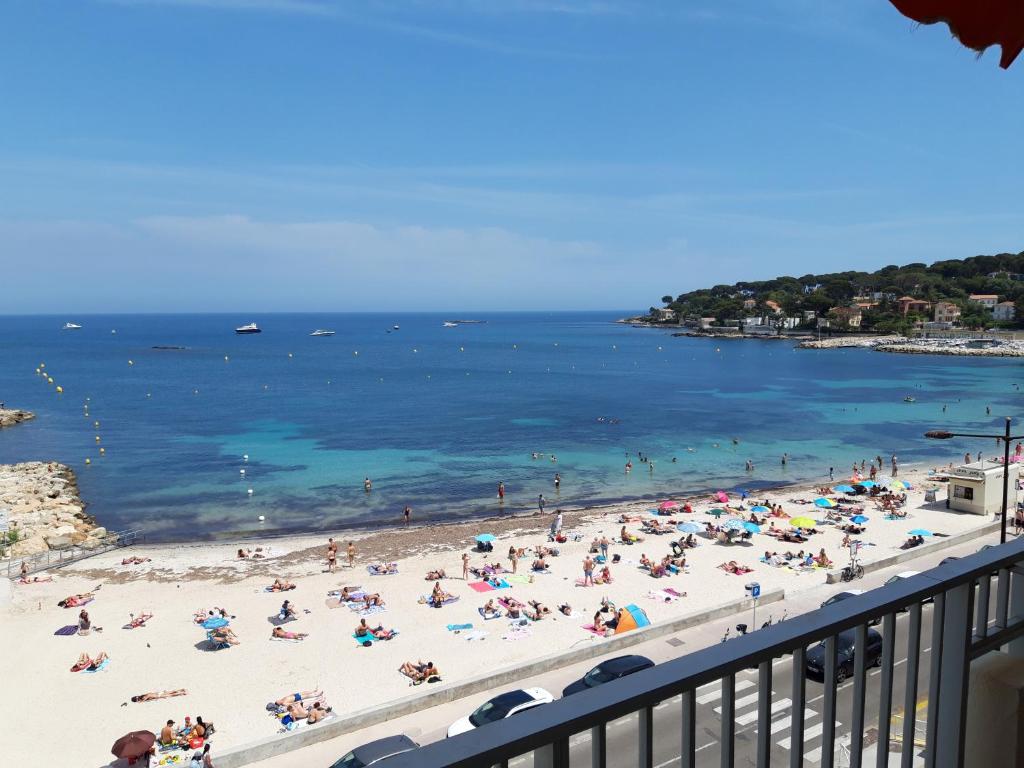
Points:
(764, 714)
(859, 683)
(1016, 647)
(796, 754)
(885, 694)
(910, 694)
(688, 743)
(951, 715)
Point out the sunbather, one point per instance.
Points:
(438, 596)
(287, 611)
(435, 575)
(378, 633)
(372, 600)
(628, 538)
(539, 610)
(84, 622)
(565, 609)
(134, 560)
(733, 567)
(34, 579)
(539, 565)
(74, 601)
(243, 554)
(225, 635)
(284, 701)
(284, 634)
(138, 621)
(85, 662)
(281, 586)
(419, 671)
(605, 577)
(317, 713)
(490, 610)
(154, 695)
(383, 568)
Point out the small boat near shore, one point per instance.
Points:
(322, 332)
(71, 327)
(449, 324)
(250, 328)
(909, 399)
(395, 327)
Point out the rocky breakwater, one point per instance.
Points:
(863, 342)
(10, 417)
(43, 507)
(961, 348)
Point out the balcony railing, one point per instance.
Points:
(974, 605)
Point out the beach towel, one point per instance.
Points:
(518, 578)
(448, 601)
(373, 571)
(459, 627)
(67, 631)
(372, 610)
(370, 639)
(502, 584)
(517, 632)
(332, 602)
(480, 586)
(103, 665)
(496, 615)
(287, 639)
(590, 628)
(355, 593)
(476, 634)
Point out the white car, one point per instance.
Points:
(500, 707)
(901, 576)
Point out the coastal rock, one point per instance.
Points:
(43, 508)
(9, 417)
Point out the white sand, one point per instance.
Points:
(230, 687)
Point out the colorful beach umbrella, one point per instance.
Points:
(760, 508)
(859, 519)
(920, 532)
(733, 525)
(667, 505)
(722, 496)
(215, 623)
(689, 528)
(752, 527)
(716, 512)
(802, 522)
(484, 538)
(868, 483)
(824, 503)
(906, 484)
(844, 489)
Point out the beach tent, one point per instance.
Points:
(631, 617)
(668, 505)
(843, 489)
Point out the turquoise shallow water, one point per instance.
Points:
(437, 416)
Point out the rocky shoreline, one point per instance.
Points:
(903, 345)
(43, 506)
(9, 417)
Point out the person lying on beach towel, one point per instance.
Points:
(84, 662)
(291, 698)
(224, 635)
(74, 601)
(135, 622)
(490, 610)
(280, 586)
(565, 609)
(154, 695)
(539, 610)
(280, 633)
(135, 560)
(435, 575)
(624, 518)
(733, 567)
(628, 538)
(419, 672)
(539, 566)
(383, 569)
(377, 633)
(513, 606)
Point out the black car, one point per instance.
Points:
(609, 670)
(815, 662)
(839, 597)
(376, 752)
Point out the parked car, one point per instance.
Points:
(609, 670)
(500, 707)
(950, 559)
(900, 576)
(845, 641)
(376, 752)
(839, 597)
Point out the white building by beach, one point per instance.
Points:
(1004, 311)
(977, 488)
(987, 300)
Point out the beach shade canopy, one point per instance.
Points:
(920, 532)
(976, 25)
(716, 512)
(868, 483)
(732, 525)
(825, 503)
(631, 617)
(215, 623)
(667, 505)
(752, 527)
(906, 484)
(485, 538)
(133, 745)
(689, 528)
(760, 508)
(721, 496)
(802, 522)
(844, 489)
(858, 519)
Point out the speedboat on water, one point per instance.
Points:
(448, 324)
(321, 332)
(71, 327)
(909, 399)
(395, 327)
(250, 328)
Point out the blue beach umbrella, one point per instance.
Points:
(484, 538)
(215, 623)
(920, 532)
(825, 503)
(858, 519)
(733, 525)
(867, 483)
(760, 508)
(752, 527)
(844, 489)
(689, 528)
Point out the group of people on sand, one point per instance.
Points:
(249, 554)
(420, 672)
(310, 706)
(668, 564)
(438, 596)
(363, 630)
(332, 554)
(85, 662)
(800, 559)
(281, 585)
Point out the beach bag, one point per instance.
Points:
(196, 742)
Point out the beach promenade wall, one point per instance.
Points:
(425, 697)
(904, 556)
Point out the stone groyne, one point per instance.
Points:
(9, 417)
(838, 342)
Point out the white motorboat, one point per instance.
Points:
(250, 328)
(71, 327)
(395, 327)
(322, 332)
(448, 324)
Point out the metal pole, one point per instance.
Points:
(1006, 480)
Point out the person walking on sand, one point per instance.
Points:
(604, 546)
(588, 572)
(332, 555)
(351, 554)
(541, 501)
(407, 513)
(465, 566)
(513, 558)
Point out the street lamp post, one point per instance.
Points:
(939, 434)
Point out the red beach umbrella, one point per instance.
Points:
(133, 745)
(976, 23)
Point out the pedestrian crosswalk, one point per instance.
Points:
(746, 714)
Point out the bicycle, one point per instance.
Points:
(852, 571)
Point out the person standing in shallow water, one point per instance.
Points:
(558, 481)
(541, 501)
(407, 513)
(367, 485)
(501, 492)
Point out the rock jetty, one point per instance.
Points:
(9, 417)
(903, 345)
(838, 342)
(42, 505)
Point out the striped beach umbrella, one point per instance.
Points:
(825, 503)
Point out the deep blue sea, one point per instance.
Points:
(437, 416)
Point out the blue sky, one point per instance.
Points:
(223, 155)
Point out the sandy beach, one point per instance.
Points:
(231, 687)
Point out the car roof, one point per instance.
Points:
(849, 636)
(381, 748)
(384, 748)
(849, 593)
(907, 574)
(622, 663)
(512, 698)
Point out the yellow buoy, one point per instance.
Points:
(131, 362)
(102, 451)
(97, 438)
(88, 461)
(60, 389)
(42, 365)
(96, 424)
(49, 380)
